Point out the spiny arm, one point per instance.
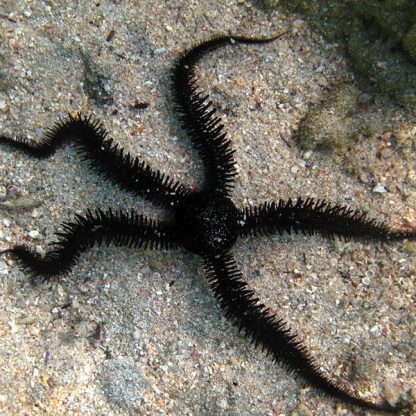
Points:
(198, 118)
(99, 227)
(315, 217)
(105, 157)
(243, 308)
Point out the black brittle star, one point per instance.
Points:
(205, 222)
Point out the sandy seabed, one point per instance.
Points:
(138, 332)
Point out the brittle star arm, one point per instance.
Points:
(273, 335)
(198, 119)
(99, 227)
(105, 157)
(315, 217)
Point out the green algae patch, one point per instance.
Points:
(394, 18)
(380, 38)
(390, 72)
(345, 117)
(409, 42)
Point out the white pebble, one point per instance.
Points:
(136, 335)
(159, 51)
(35, 213)
(375, 330)
(3, 267)
(40, 250)
(346, 340)
(379, 189)
(307, 154)
(223, 404)
(3, 105)
(34, 233)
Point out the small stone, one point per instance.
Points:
(366, 280)
(298, 23)
(3, 267)
(307, 155)
(363, 178)
(302, 410)
(76, 304)
(379, 189)
(35, 213)
(40, 250)
(159, 51)
(375, 330)
(224, 404)
(34, 234)
(3, 104)
(410, 247)
(392, 390)
(60, 290)
(26, 320)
